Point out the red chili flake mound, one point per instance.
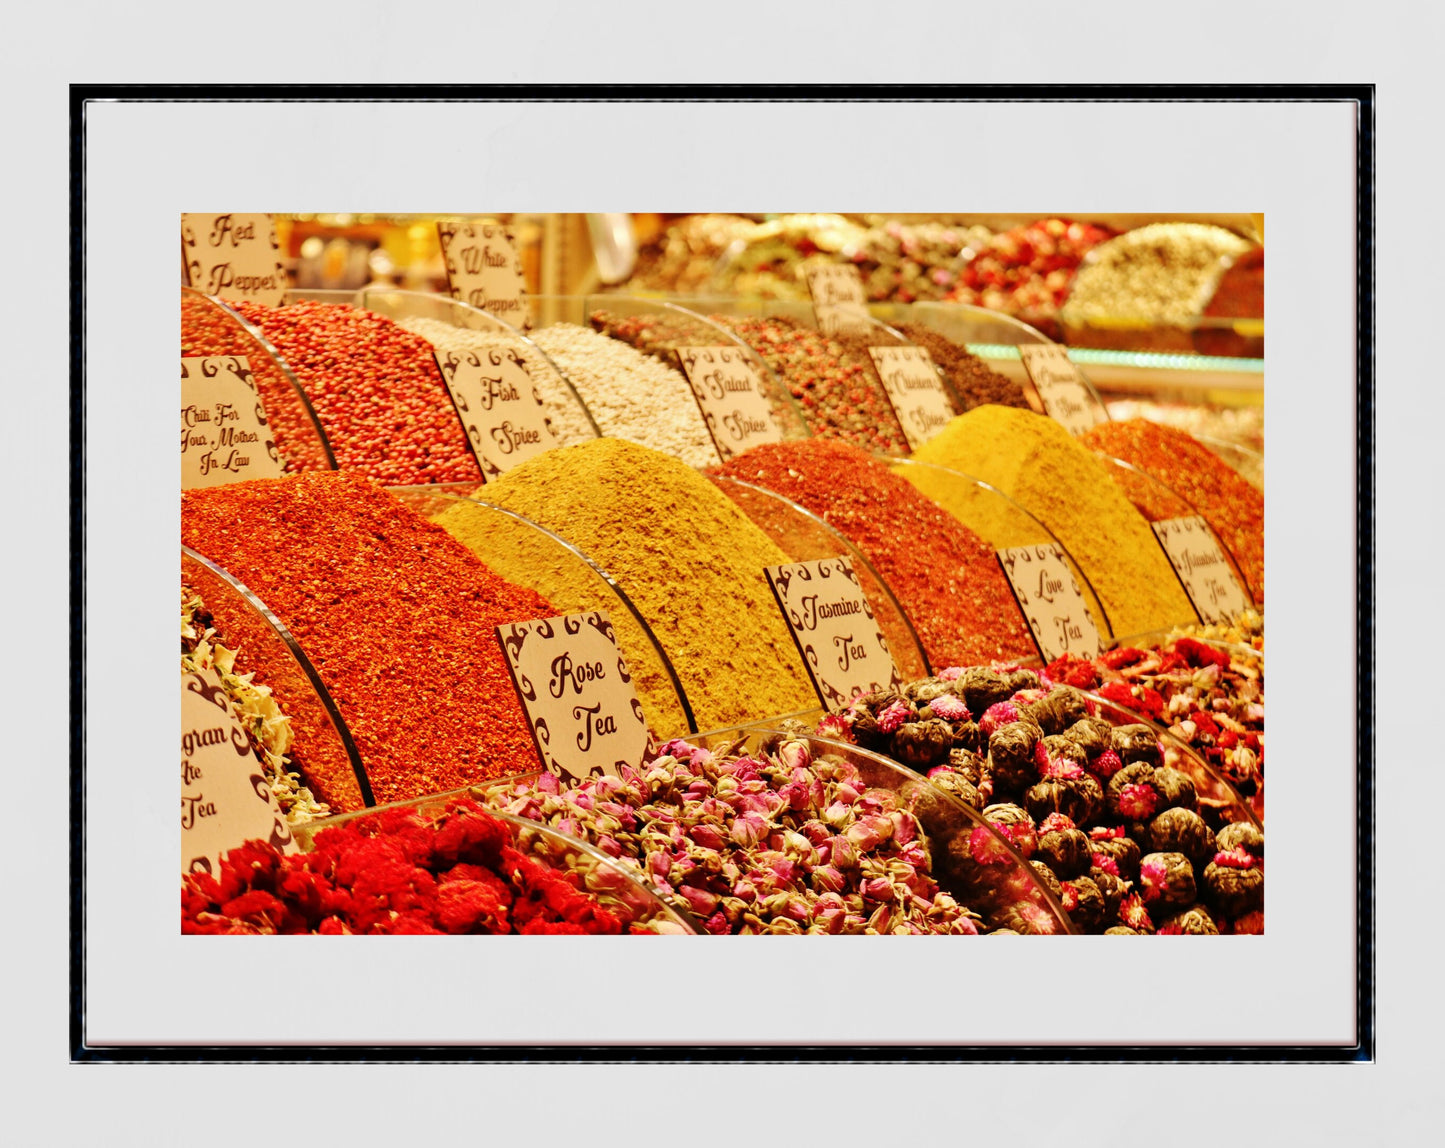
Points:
(376, 389)
(944, 576)
(397, 616)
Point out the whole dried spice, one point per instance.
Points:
(973, 382)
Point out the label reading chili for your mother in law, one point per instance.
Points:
(1051, 600)
(501, 411)
(839, 303)
(730, 395)
(484, 270)
(1062, 390)
(833, 625)
(915, 390)
(233, 256)
(224, 435)
(576, 689)
(1205, 573)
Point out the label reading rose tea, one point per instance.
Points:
(224, 434)
(225, 797)
(1051, 600)
(839, 304)
(833, 625)
(500, 408)
(730, 395)
(484, 270)
(578, 693)
(915, 390)
(1205, 573)
(1062, 390)
(233, 256)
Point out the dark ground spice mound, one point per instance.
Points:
(973, 381)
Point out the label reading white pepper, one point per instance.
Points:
(484, 270)
(915, 390)
(730, 395)
(233, 256)
(501, 410)
(1052, 603)
(1066, 397)
(575, 687)
(843, 649)
(839, 303)
(224, 434)
(1205, 573)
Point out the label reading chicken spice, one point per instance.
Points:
(730, 395)
(578, 694)
(225, 797)
(224, 434)
(501, 410)
(1205, 573)
(839, 304)
(484, 270)
(915, 390)
(1051, 600)
(234, 257)
(831, 621)
(1065, 396)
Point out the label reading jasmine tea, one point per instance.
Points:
(501, 410)
(224, 433)
(730, 395)
(915, 390)
(1051, 600)
(1205, 573)
(1062, 390)
(484, 270)
(839, 304)
(234, 257)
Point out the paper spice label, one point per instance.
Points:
(225, 797)
(1051, 600)
(1062, 390)
(839, 303)
(500, 408)
(844, 650)
(484, 269)
(916, 391)
(729, 392)
(224, 434)
(233, 256)
(1198, 559)
(578, 694)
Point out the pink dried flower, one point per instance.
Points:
(842, 853)
(951, 674)
(986, 849)
(1106, 764)
(1106, 863)
(1138, 802)
(1055, 822)
(1239, 858)
(717, 925)
(700, 901)
(748, 829)
(828, 878)
(1152, 873)
(836, 727)
(1105, 833)
(549, 783)
(893, 716)
(1000, 713)
(949, 708)
(1062, 767)
(795, 754)
(1133, 913)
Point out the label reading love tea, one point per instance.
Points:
(1198, 559)
(915, 390)
(484, 269)
(225, 797)
(730, 395)
(1062, 390)
(1051, 600)
(224, 434)
(833, 625)
(839, 304)
(578, 693)
(233, 256)
(501, 410)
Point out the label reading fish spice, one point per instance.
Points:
(224, 434)
(234, 257)
(916, 391)
(501, 410)
(225, 797)
(730, 395)
(1062, 390)
(844, 650)
(1198, 559)
(577, 692)
(484, 270)
(1051, 600)
(839, 304)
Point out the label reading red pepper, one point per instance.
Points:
(916, 391)
(224, 433)
(1065, 395)
(730, 395)
(501, 410)
(1205, 573)
(234, 257)
(1051, 600)
(839, 304)
(484, 270)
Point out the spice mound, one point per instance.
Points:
(974, 382)
(397, 617)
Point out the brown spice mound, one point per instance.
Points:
(973, 381)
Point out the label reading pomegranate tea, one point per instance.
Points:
(839, 304)
(224, 434)
(1065, 396)
(1205, 573)
(916, 391)
(484, 269)
(730, 395)
(501, 410)
(233, 256)
(1051, 600)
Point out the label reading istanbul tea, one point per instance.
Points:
(832, 622)
(234, 257)
(1198, 559)
(484, 269)
(224, 435)
(839, 303)
(730, 395)
(1051, 600)
(225, 797)
(578, 694)
(1061, 388)
(500, 408)
(915, 390)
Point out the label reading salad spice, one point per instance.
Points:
(1051, 600)
(915, 390)
(1066, 397)
(500, 408)
(224, 434)
(578, 693)
(225, 797)
(730, 395)
(833, 625)
(234, 257)
(1198, 559)
(484, 270)
(839, 303)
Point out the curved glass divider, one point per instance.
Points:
(336, 295)
(1247, 462)
(531, 555)
(210, 327)
(961, 323)
(805, 537)
(322, 749)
